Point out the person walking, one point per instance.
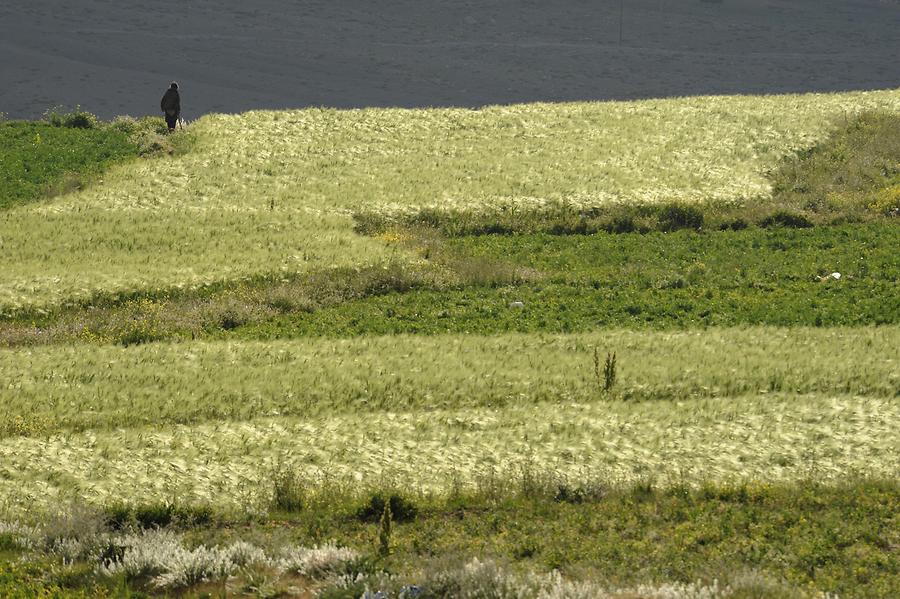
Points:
(171, 106)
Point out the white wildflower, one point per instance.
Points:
(318, 562)
(23, 536)
(244, 554)
(185, 567)
(145, 554)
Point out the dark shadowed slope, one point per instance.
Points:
(117, 57)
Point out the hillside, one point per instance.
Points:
(595, 349)
(279, 189)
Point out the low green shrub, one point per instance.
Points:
(139, 334)
(887, 201)
(289, 492)
(673, 217)
(786, 218)
(9, 542)
(72, 119)
(120, 516)
(578, 493)
(117, 516)
(401, 508)
(154, 515)
(143, 125)
(622, 224)
(738, 224)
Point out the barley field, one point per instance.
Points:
(52, 390)
(776, 437)
(204, 353)
(269, 192)
(272, 192)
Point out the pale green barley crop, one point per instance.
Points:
(75, 387)
(273, 191)
(229, 465)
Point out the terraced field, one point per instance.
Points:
(769, 404)
(273, 192)
(284, 320)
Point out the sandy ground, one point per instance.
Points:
(117, 56)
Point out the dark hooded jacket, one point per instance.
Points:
(171, 102)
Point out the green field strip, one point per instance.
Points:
(101, 387)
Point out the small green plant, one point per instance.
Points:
(289, 493)
(643, 490)
(887, 201)
(122, 516)
(384, 531)
(230, 320)
(9, 542)
(680, 216)
(737, 224)
(138, 333)
(579, 492)
(73, 119)
(154, 515)
(622, 224)
(606, 376)
(786, 218)
(402, 510)
(609, 372)
(118, 516)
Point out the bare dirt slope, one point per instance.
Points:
(116, 57)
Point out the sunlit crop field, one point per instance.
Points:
(231, 464)
(270, 192)
(209, 422)
(275, 192)
(51, 389)
(655, 337)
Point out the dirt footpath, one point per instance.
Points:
(115, 57)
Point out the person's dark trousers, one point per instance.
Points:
(171, 121)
